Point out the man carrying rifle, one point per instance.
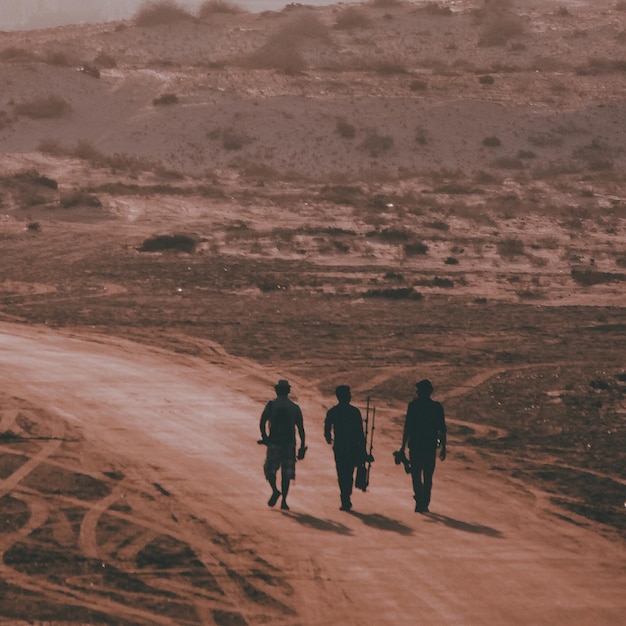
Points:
(283, 417)
(343, 428)
(424, 431)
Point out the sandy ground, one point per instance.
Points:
(171, 442)
(398, 195)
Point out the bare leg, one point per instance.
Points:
(285, 487)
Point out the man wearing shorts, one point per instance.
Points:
(281, 416)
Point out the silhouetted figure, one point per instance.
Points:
(343, 428)
(424, 431)
(283, 416)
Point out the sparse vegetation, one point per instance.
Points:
(375, 144)
(45, 107)
(352, 18)
(165, 99)
(492, 142)
(160, 13)
(211, 7)
(345, 129)
(177, 243)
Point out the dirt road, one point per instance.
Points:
(132, 492)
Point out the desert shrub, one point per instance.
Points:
(51, 146)
(492, 142)
(158, 243)
(351, 18)
(415, 248)
(545, 140)
(16, 54)
(90, 70)
(451, 260)
(597, 155)
(342, 194)
(218, 6)
(105, 60)
(438, 225)
(445, 283)
(45, 107)
(526, 154)
(435, 8)
(165, 99)
(32, 177)
(345, 129)
(588, 277)
(421, 136)
(390, 66)
(486, 79)
(510, 248)
(418, 85)
(58, 58)
(375, 144)
(391, 235)
(499, 29)
(386, 4)
(235, 140)
(161, 12)
(33, 226)
(563, 11)
(85, 150)
(508, 163)
(399, 293)
(76, 198)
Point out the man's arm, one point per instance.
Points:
(265, 416)
(443, 434)
(405, 432)
(300, 426)
(328, 427)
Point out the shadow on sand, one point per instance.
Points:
(465, 526)
(382, 522)
(319, 524)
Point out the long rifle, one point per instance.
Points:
(369, 462)
(363, 471)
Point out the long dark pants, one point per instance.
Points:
(422, 470)
(345, 477)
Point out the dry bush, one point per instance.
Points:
(165, 99)
(418, 85)
(235, 140)
(212, 7)
(352, 18)
(46, 107)
(51, 146)
(158, 243)
(508, 163)
(345, 129)
(105, 60)
(545, 140)
(399, 293)
(281, 52)
(492, 142)
(58, 58)
(386, 4)
(375, 144)
(76, 198)
(415, 248)
(500, 28)
(435, 8)
(597, 155)
(510, 248)
(18, 55)
(390, 66)
(161, 12)
(587, 277)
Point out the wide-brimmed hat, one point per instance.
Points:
(424, 386)
(282, 384)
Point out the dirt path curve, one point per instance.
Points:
(489, 553)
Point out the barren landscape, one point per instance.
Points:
(195, 205)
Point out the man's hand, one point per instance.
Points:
(442, 454)
(329, 440)
(301, 453)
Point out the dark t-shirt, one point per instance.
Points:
(345, 423)
(283, 415)
(425, 423)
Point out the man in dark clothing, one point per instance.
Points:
(283, 417)
(343, 428)
(424, 431)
